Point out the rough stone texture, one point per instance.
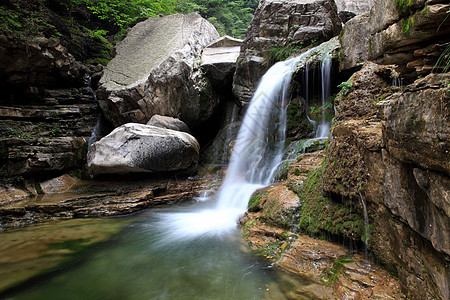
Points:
(133, 148)
(42, 62)
(396, 161)
(219, 60)
(365, 88)
(95, 198)
(355, 278)
(405, 35)
(48, 136)
(156, 71)
(281, 23)
(354, 6)
(62, 183)
(317, 269)
(275, 205)
(168, 123)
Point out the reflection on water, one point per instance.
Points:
(142, 263)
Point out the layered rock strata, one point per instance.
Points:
(391, 154)
(219, 61)
(410, 34)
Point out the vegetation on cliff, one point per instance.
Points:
(89, 27)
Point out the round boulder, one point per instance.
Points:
(137, 148)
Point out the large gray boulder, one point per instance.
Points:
(156, 71)
(410, 34)
(276, 24)
(137, 148)
(219, 60)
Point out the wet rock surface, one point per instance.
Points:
(317, 269)
(96, 198)
(156, 71)
(281, 24)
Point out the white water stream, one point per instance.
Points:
(324, 126)
(257, 153)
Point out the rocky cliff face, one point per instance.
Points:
(157, 71)
(48, 110)
(393, 155)
(278, 26)
(410, 34)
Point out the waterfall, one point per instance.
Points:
(257, 153)
(325, 68)
(366, 224)
(96, 132)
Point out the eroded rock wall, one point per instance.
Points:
(390, 149)
(276, 25)
(410, 34)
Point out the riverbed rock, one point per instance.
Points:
(281, 24)
(168, 123)
(156, 71)
(409, 34)
(219, 60)
(136, 148)
(95, 198)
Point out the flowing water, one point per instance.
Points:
(323, 128)
(257, 153)
(192, 252)
(141, 263)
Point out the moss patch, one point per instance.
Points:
(320, 215)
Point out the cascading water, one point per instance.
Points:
(258, 151)
(324, 126)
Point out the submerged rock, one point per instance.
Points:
(156, 71)
(135, 148)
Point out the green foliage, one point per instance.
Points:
(402, 5)
(22, 24)
(254, 200)
(280, 53)
(444, 59)
(229, 17)
(320, 215)
(345, 87)
(407, 24)
(330, 275)
(316, 110)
